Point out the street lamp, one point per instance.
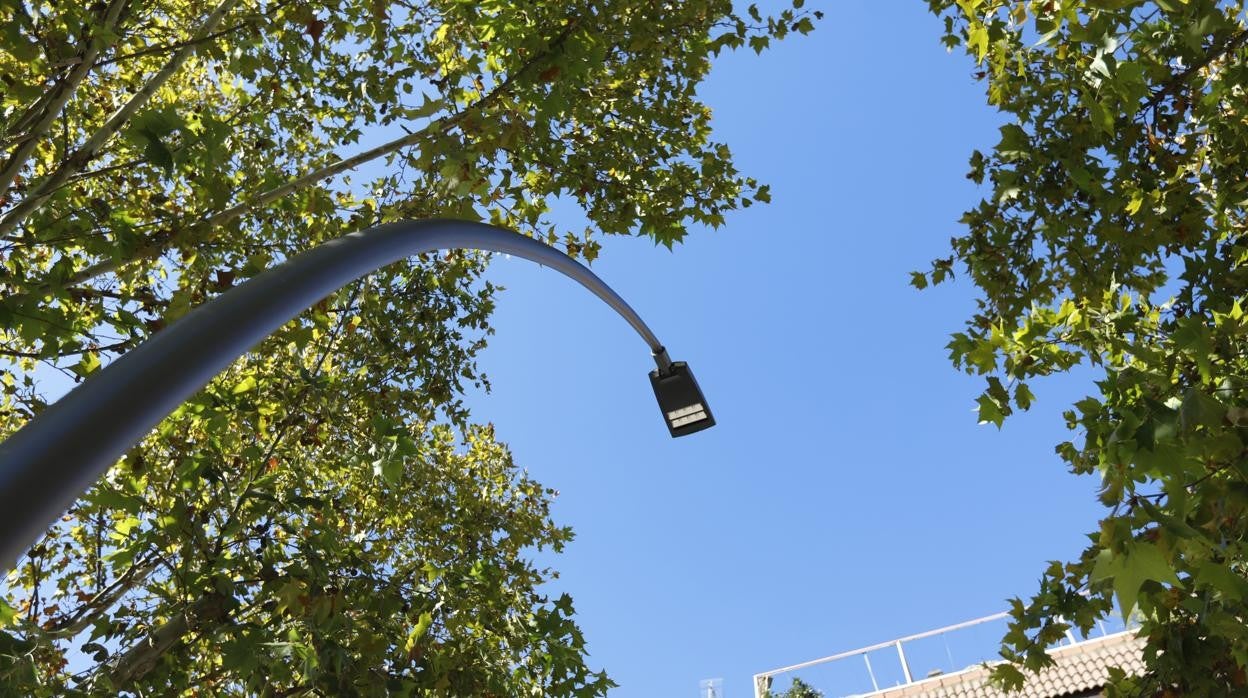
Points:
(679, 396)
(51, 460)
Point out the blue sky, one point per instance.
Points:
(847, 495)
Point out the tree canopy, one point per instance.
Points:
(797, 689)
(1112, 235)
(324, 518)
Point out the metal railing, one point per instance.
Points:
(762, 680)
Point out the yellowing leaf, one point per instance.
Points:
(125, 526)
(977, 40)
(418, 631)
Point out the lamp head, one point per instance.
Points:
(680, 399)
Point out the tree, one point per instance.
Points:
(323, 518)
(1113, 236)
(798, 689)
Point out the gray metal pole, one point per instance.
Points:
(55, 457)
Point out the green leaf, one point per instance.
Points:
(428, 108)
(990, 412)
(982, 356)
(1014, 143)
(1231, 586)
(389, 469)
(1130, 81)
(1143, 562)
(158, 122)
(245, 385)
(1008, 676)
(1200, 409)
(150, 130)
(1171, 524)
(157, 152)
(88, 364)
(239, 653)
(1023, 396)
(1102, 117)
(8, 614)
(112, 499)
(1083, 178)
(1106, 566)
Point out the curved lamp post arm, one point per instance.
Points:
(50, 461)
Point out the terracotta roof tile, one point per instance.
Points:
(1077, 668)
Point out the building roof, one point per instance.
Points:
(1077, 669)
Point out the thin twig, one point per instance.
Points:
(207, 227)
(61, 93)
(1178, 80)
(91, 149)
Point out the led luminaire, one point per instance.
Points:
(684, 408)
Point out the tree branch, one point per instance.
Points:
(89, 150)
(1181, 78)
(70, 625)
(141, 657)
(61, 93)
(165, 48)
(286, 423)
(5, 351)
(205, 229)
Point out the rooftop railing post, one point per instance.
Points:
(905, 667)
(762, 684)
(871, 672)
